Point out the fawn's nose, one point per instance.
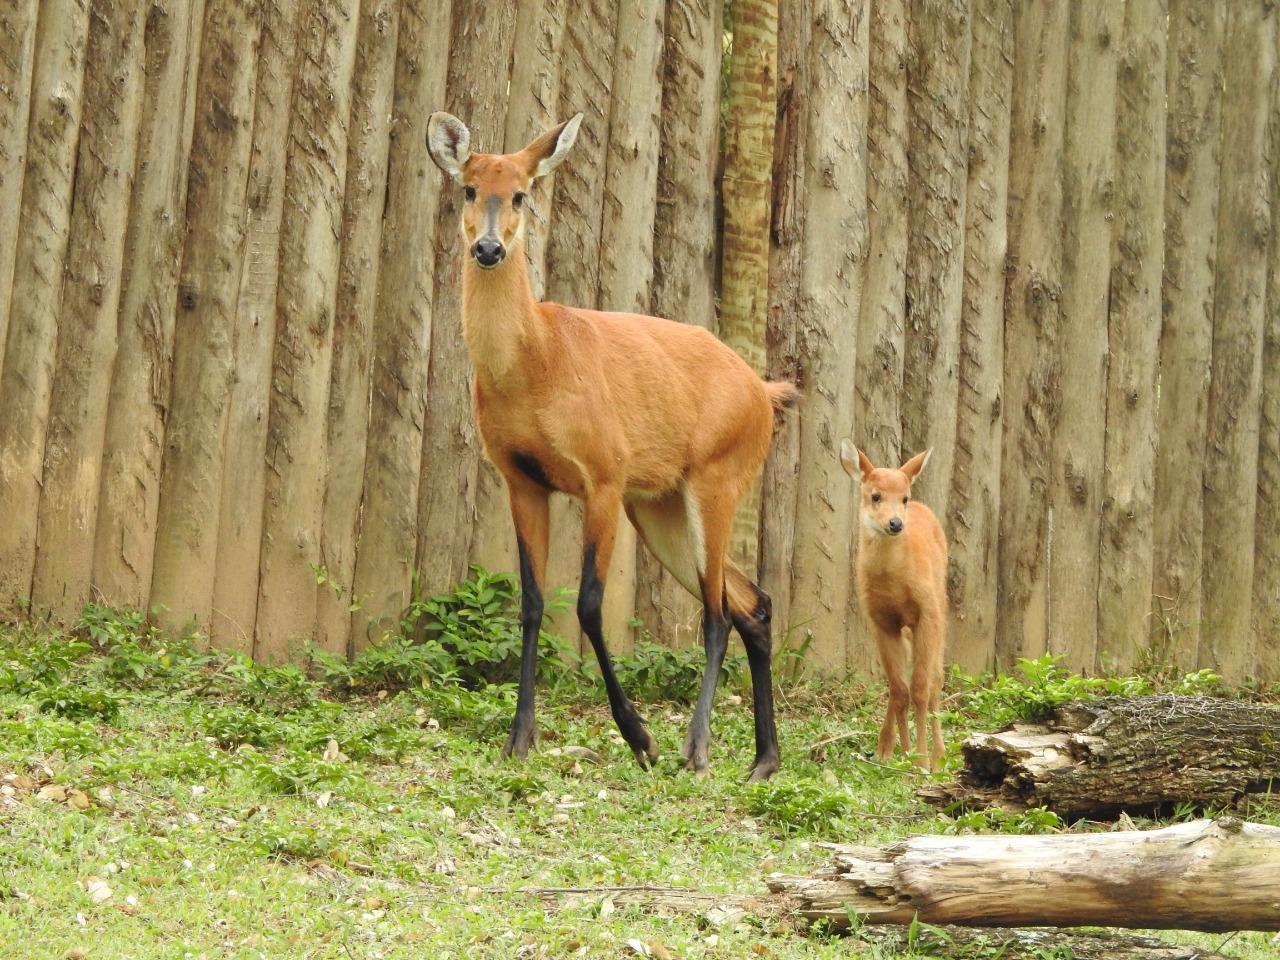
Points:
(895, 525)
(488, 252)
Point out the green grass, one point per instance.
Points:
(228, 810)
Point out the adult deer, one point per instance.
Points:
(626, 412)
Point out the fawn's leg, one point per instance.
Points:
(926, 683)
(600, 527)
(893, 657)
(530, 511)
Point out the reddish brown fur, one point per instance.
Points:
(626, 412)
(903, 592)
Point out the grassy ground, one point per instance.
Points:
(158, 803)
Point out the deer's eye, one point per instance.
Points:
(875, 498)
(469, 193)
(905, 499)
(517, 201)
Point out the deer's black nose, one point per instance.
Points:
(895, 525)
(488, 253)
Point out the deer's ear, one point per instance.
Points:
(449, 143)
(913, 466)
(854, 461)
(547, 150)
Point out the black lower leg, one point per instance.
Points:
(715, 639)
(522, 727)
(755, 633)
(630, 723)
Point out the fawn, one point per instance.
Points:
(902, 585)
(628, 413)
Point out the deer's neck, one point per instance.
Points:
(500, 319)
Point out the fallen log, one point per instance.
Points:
(724, 911)
(1207, 875)
(1141, 755)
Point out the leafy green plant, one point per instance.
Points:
(995, 820)
(654, 673)
(800, 806)
(50, 734)
(232, 726)
(78, 702)
(1035, 690)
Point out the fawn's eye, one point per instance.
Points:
(469, 192)
(905, 499)
(875, 498)
(517, 201)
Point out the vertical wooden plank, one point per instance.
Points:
(1033, 290)
(209, 281)
(684, 254)
(235, 587)
(363, 199)
(834, 245)
(779, 484)
(749, 108)
(938, 119)
(479, 70)
(402, 322)
(573, 239)
(1194, 139)
(17, 58)
(1124, 564)
(114, 66)
(129, 498)
(26, 379)
(310, 236)
(531, 109)
(881, 330)
(1231, 463)
(1075, 486)
(1266, 565)
(626, 234)
(975, 494)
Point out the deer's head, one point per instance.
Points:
(495, 186)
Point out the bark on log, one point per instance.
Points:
(1190, 877)
(1136, 755)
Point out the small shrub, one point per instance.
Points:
(78, 703)
(1036, 689)
(288, 841)
(800, 806)
(231, 727)
(652, 673)
(995, 820)
(51, 734)
(469, 637)
(295, 773)
(274, 689)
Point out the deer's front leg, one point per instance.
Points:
(600, 527)
(530, 510)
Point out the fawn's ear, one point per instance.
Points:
(547, 150)
(913, 466)
(449, 143)
(859, 467)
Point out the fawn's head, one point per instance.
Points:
(885, 491)
(495, 186)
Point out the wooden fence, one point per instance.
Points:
(1040, 236)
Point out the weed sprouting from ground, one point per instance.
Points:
(158, 800)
